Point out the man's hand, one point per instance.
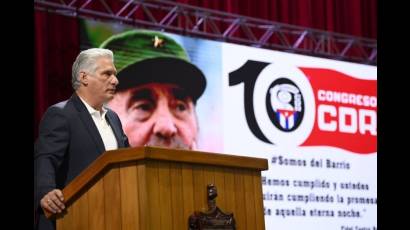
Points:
(53, 201)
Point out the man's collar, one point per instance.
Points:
(91, 110)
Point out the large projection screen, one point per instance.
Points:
(313, 119)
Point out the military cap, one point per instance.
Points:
(143, 56)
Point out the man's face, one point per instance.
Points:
(157, 115)
(102, 82)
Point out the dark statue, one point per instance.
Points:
(214, 218)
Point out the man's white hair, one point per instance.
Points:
(86, 61)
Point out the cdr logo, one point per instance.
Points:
(279, 104)
(285, 101)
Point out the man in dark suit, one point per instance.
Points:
(75, 132)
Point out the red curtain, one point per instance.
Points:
(354, 17)
(56, 44)
(57, 37)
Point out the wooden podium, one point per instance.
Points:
(158, 188)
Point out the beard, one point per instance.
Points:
(169, 142)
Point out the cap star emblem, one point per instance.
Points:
(158, 42)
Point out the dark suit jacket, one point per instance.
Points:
(68, 142)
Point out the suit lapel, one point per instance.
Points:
(115, 128)
(88, 122)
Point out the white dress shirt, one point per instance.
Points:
(105, 130)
